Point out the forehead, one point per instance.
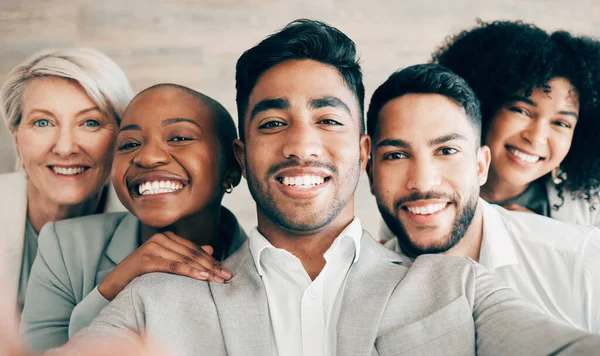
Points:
(301, 80)
(560, 92)
(55, 91)
(165, 103)
(418, 118)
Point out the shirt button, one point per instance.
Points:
(311, 293)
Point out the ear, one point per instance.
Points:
(370, 174)
(365, 150)
(239, 149)
(233, 174)
(484, 158)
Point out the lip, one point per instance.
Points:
(67, 166)
(132, 184)
(428, 219)
(518, 161)
(302, 193)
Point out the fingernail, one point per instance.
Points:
(219, 279)
(226, 273)
(203, 275)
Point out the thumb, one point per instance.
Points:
(208, 249)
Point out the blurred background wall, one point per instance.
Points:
(197, 42)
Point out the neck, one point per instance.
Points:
(41, 210)
(497, 190)
(470, 244)
(308, 246)
(201, 228)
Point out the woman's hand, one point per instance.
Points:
(164, 252)
(517, 207)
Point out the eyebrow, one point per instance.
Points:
(130, 127)
(393, 142)
(328, 101)
(446, 138)
(436, 141)
(47, 112)
(525, 100)
(176, 120)
(269, 104)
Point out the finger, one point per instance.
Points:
(185, 269)
(155, 262)
(208, 249)
(200, 255)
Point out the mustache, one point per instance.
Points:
(312, 163)
(424, 196)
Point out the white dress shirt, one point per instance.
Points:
(304, 313)
(552, 264)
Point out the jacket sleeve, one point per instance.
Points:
(118, 327)
(506, 324)
(587, 287)
(50, 300)
(86, 311)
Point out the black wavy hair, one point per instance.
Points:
(501, 58)
(300, 39)
(425, 79)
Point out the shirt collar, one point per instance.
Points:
(258, 243)
(497, 249)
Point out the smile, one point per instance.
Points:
(305, 181)
(70, 171)
(522, 156)
(426, 209)
(159, 187)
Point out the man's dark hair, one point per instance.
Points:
(425, 79)
(499, 59)
(300, 39)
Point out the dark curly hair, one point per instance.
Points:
(501, 58)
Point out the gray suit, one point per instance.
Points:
(441, 305)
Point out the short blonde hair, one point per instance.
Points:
(101, 78)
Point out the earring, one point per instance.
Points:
(558, 176)
(229, 189)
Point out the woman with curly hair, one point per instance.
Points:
(539, 95)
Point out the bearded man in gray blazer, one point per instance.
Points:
(310, 281)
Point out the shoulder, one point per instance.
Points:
(159, 288)
(85, 232)
(544, 231)
(573, 207)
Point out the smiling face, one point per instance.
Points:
(65, 142)
(529, 137)
(426, 171)
(169, 161)
(303, 152)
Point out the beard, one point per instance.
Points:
(462, 222)
(308, 219)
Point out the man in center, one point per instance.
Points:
(310, 281)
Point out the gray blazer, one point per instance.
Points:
(74, 257)
(441, 305)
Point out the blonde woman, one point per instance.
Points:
(63, 109)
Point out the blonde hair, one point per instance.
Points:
(101, 78)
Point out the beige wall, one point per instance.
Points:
(197, 42)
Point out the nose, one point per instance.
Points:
(66, 143)
(151, 155)
(302, 142)
(536, 133)
(423, 176)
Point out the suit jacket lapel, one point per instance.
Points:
(124, 241)
(243, 308)
(369, 285)
(13, 211)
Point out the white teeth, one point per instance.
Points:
(158, 187)
(524, 156)
(303, 181)
(427, 209)
(68, 171)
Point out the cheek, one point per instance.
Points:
(560, 146)
(499, 130)
(34, 147)
(99, 145)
